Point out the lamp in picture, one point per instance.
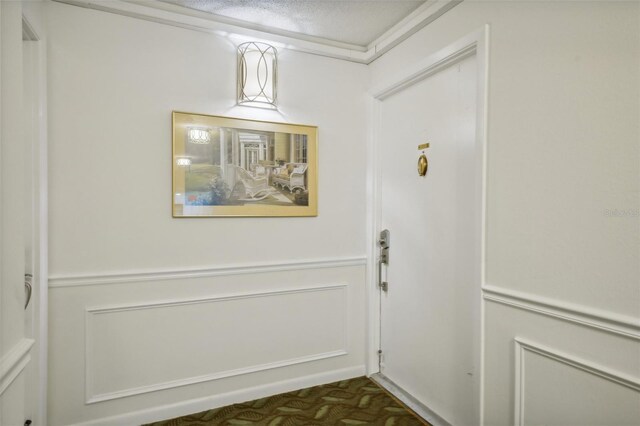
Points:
(183, 161)
(257, 75)
(199, 136)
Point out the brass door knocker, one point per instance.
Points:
(423, 163)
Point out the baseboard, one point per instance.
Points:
(420, 409)
(201, 404)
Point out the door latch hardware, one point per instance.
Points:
(28, 288)
(383, 258)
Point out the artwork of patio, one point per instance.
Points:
(234, 167)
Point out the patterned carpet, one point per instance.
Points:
(351, 402)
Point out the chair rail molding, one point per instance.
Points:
(212, 271)
(174, 15)
(522, 346)
(590, 317)
(12, 364)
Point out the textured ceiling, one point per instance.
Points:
(349, 21)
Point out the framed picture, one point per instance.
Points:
(225, 166)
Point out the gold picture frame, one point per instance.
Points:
(234, 167)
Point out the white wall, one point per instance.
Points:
(563, 151)
(562, 273)
(121, 341)
(114, 82)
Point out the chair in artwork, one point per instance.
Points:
(255, 187)
(290, 176)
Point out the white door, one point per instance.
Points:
(16, 220)
(430, 314)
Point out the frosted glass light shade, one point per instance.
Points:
(257, 75)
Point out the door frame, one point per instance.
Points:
(36, 76)
(475, 43)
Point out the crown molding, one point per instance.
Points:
(411, 24)
(239, 31)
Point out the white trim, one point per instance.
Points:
(14, 361)
(425, 14)
(210, 377)
(213, 271)
(372, 295)
(182, 408)
(42, 269)
(170, 14)
(36, 48)
(419, 408)
(432, 64)
(474, 43)
(482, 129)
(602, 320)
(89, 312)
(237, 24)
(192, 301)
(522, 345)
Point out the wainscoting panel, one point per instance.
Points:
(546, 365)
(197, 340)
(148, 350)
(556, 388)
